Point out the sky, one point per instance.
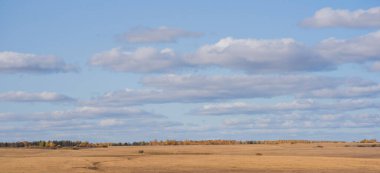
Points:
(123, 71)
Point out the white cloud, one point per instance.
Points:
(142, 60)
(160, 34)
(357, 50)
(21, 96)
(328, 17)
(14, 62)
(259, 55)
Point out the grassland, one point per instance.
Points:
(310, 158)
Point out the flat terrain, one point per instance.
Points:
(308, 158)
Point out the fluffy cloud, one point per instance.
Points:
(160, 34)
(142, 60)
(14, 62)
(254, 55)
(309, 105)
(357, 50)
(287, 55)
(195, 88)
(328, 17)
(21, 96)
(249, 55)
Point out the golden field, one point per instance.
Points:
(298, 158)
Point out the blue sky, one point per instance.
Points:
(142, 70)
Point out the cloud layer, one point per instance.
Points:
(198, 88)
(249, 55)
(84, 123)
(310, 121)
(14, 62)
(21, 96)
(81, 113)
(305, 106)
(328, 17)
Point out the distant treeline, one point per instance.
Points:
(85, 144)
(53, 144)
(218, 142)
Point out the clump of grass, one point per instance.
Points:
(319, 146)
(259, 154)
(141, 151)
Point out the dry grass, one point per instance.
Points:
(333, 158)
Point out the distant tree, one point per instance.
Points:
(368, 141)
(42, 144)
(84, 144)
(51, 144)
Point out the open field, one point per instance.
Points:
(331, 158)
